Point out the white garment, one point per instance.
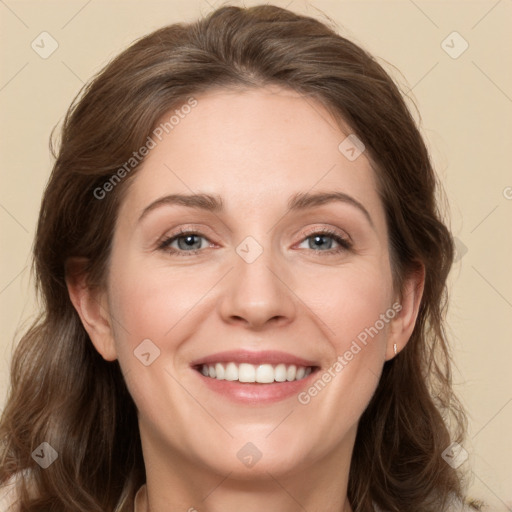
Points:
(139, 499)
(8, 496)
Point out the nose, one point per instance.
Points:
(258, 294)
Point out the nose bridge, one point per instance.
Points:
(256, 291)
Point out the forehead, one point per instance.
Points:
(253, 147)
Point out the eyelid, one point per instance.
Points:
(184, 230)
(331, 230)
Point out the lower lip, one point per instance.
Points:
(255, 393)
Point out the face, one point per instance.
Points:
(268, 279)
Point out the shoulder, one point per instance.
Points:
(8, 497)
(138, 505)
(455, 505)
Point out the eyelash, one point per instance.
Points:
(345, 244)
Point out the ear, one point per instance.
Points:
(92, 307)
(403, 323)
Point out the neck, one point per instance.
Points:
(174, 482)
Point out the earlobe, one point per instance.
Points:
(92, 308)
(403, 324)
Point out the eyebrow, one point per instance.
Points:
(297, 202)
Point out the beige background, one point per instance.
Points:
(466, 109)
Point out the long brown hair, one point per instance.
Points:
(64, 393)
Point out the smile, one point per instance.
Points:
(262, 373)
(255, 377)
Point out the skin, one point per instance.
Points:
(254, 148)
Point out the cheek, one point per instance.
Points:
(349, 299)
(156, 305)
(149, 303)
(355, 308)
(343, 388)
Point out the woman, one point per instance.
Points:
(243, 269)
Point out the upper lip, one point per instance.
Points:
(253, 357)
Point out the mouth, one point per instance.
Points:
(255, 377)
(251, 373)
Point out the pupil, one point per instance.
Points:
(189, 240)
(320, 239)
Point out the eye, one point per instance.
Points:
(322, 241)
(187, 242)
(190, 242)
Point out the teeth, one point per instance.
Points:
(231, 372)
(219, 371)
(280, 373)
(262, 373)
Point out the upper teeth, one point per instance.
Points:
(262, 373)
